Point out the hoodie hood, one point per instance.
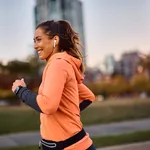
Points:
(75, 63)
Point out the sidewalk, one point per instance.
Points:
(32, 138)
(135, 146)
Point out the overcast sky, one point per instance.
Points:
(111, 27)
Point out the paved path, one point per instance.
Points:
(32, 138)
(118, 128)
(135, 146)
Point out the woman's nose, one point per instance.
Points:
(35, 46)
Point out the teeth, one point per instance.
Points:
(39, 52)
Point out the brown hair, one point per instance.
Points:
(69, 39)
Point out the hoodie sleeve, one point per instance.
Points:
(86, 96)
(53, 83)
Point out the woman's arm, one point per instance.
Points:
(47, 101)
(86, 96)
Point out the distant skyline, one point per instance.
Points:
(110, 26)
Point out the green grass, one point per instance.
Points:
(106, 141)
(140, 136)
(17, 119)
(115, 111)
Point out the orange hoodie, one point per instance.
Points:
(59, 96)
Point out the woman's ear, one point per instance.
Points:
(56, 40)
(55, 43)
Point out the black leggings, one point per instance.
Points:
(92, 147)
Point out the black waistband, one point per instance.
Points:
(63, 144)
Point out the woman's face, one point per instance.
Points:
(43, 44)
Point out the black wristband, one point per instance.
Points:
(17, 89)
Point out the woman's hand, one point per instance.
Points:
(18, 83)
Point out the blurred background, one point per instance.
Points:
(115, 35)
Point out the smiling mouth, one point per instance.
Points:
(39, 51)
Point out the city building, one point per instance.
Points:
(128, 64)
(109, 64)
(93, 75)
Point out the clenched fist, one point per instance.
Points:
(18, 83)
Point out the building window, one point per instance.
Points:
(53, 5)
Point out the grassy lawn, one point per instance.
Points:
(116, 110)
(140, 136)
(17, 119)
(107, 141)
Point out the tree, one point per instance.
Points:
(140, 83)
(18, 67)
(119, 85)
(35, 65)
(145, 63)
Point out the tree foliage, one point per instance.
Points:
(140, 83)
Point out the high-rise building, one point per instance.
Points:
(70, 10)
(109, 63)
(128, 64)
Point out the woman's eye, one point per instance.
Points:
(38, 40)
